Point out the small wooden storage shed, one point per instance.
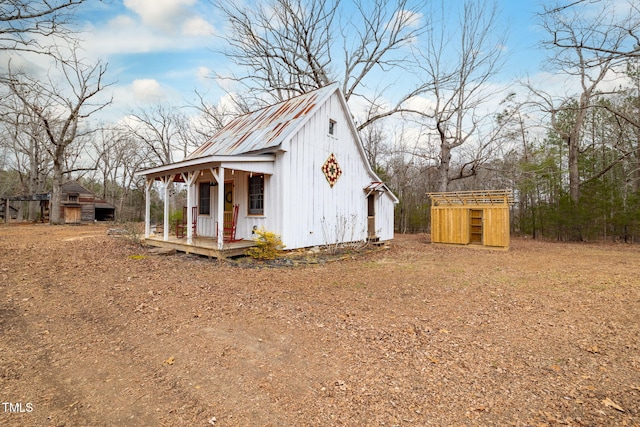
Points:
(471, 217)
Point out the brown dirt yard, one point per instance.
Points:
(97, 332)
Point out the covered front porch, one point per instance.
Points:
(215, 187)
(205, 246)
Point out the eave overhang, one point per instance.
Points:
(262, 163)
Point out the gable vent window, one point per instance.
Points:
(332, 127)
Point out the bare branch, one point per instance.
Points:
(456, 68)
(605, 34)
(26, 24)
(60, 112)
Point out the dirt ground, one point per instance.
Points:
(97, 332)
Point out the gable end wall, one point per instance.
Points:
(311, 212)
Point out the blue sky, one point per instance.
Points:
(162, 50)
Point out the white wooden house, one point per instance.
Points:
(296, 168)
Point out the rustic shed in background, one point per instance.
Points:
(79, 205)
(471, 217)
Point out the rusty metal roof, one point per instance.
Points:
(265, 128)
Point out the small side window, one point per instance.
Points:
(332, 127)
(204, 199)
(256, 195)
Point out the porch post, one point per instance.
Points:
(190, 180)
(220, 207)
(147, 207)
(167, 180)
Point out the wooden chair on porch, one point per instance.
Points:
(229, 225)
(181, 224)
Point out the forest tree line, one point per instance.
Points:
(571, 156)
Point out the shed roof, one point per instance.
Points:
(104, 205)
(74, 187)
(264, 129)
(470, 198)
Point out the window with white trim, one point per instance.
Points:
(332, 127)
(204, 198)
(256, 195)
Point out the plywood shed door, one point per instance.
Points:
(476, 226)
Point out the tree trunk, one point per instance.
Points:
(443, 167)
(574, 171)
(635, 182)
(56, 195)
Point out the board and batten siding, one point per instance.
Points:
(384, 210)
(299, 203)
(206, 225)
(311, 211)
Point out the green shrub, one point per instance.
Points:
(174, 218)
(268, 245)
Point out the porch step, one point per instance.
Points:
(162, 251)
(375, 241)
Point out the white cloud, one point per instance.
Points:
(150, 26)
(125, 36)
(147, 90)
(122, 22)
(161, 14)
(412, 19)
(197, 26)
(204, 73)
(170, 16)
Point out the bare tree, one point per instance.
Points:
(374, 141)
(26, 24)
(211, 118)
(285, 46)
(164, 132)
(459, 63)
(589, 66)
(628, 24)
(118, 157)
(289, 47)
(408, 177)
(23, 138)
(60, 109)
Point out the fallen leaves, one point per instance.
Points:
(593, 349)
(611, 404)
(409, 345)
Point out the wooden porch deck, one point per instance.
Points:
(206, 246)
